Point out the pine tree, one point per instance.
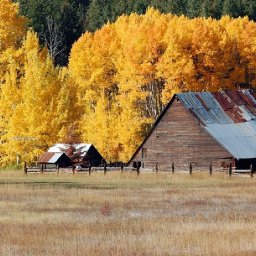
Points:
(58, 23)
(193, 8)
(249, 7)
(232, 8)
(94, 17)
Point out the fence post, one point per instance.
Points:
(210, 168)
(58, 169)
(73, 169)
(190, 169)
(156, 167)
(230, 170)
(122, 167)
(25, 168)
(138, 169)
(172, 167)
(251, 170)
(105, 168)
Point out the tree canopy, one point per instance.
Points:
(59, 23)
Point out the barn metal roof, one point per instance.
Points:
(49, 157)
(61, 147)
(229, 116)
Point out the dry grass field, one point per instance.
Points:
(122, 214)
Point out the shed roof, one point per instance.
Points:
(61, 147)
(50, 157)
(229, 116)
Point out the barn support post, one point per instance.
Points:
(172, 167)
(73, 169)
(251, 170)
(25, 168)
(105, 168)
(230, 170)
(58, 169)
(42, 169)
(90, 169)
(210, 169)
(138, 171)
(190, 169)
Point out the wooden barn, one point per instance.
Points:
(80, 154)
(202, 128)
(54, 159)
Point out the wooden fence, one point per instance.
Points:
(105, 169)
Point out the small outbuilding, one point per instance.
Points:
(54, 159)
(200, 128)
(81, 153)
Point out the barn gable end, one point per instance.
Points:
(178, 137)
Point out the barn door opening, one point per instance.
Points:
(245, 164)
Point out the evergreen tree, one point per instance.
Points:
(95, 17)
(206, 8)
(249, 7)
(233, 8)
(140, 7)
(58, 23)
(193, 8)
(178, 7)
(120, 7)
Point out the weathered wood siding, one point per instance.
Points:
(179, 138)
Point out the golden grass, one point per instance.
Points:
(122, 214)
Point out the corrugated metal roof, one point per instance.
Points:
(49, 157)
(229, 116)
(61, 147)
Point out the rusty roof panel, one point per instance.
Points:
(49, 157)
(229, 116)
(230, 105)
(236, 96)
(45, 157)
(213, 114)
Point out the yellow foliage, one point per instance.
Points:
(36, 107)
(118, 79)
(12, 26)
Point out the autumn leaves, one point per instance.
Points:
(117, 81)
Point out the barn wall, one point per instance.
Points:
(179, 138)
(93, 157)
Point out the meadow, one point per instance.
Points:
(126, 214)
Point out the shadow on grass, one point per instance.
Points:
(57, 184)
